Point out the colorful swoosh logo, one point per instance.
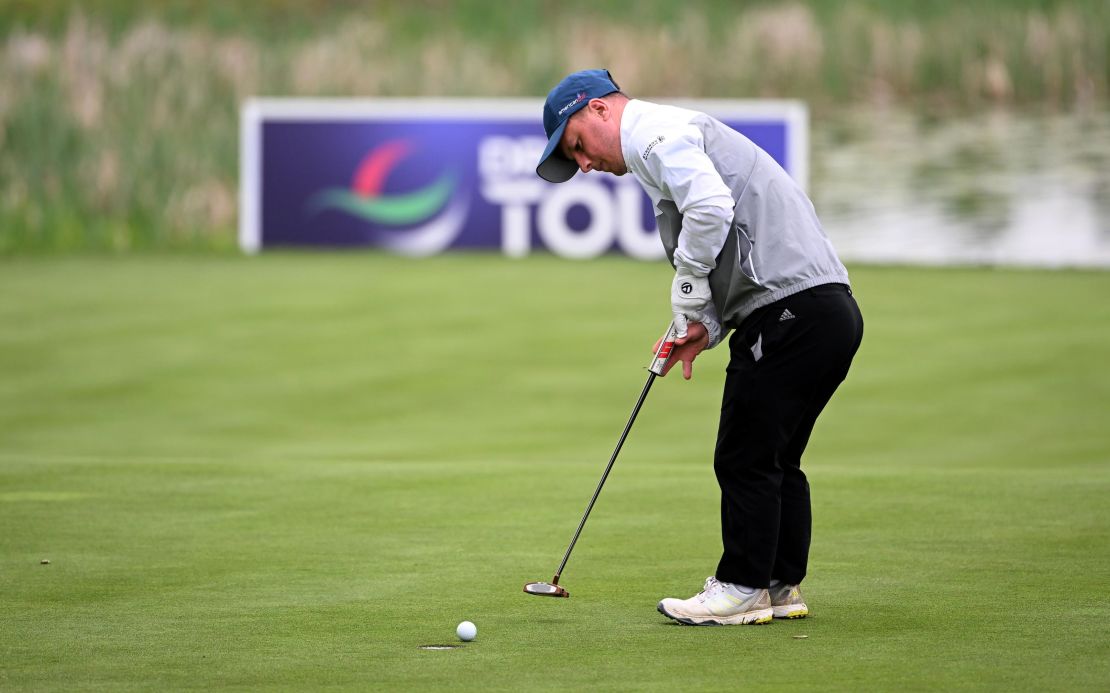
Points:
(365, 200)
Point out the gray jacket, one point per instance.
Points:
(774, 246)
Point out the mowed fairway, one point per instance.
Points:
(292, 471)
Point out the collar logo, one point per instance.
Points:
(651, 145)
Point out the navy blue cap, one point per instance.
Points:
(570, 96)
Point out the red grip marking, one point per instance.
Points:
(665, 352)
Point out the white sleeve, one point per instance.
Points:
(686, 175)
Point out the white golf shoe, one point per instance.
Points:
(787, 601)
(719, 604)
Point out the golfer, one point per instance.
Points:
(750, 257)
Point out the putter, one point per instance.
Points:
(553, 588)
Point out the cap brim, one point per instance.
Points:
(553, 166)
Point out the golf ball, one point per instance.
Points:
(466, 631)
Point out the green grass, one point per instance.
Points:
(293, 470)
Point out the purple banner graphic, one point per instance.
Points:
(421, 177)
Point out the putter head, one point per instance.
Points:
(545, 589)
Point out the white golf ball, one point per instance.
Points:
(466, 631)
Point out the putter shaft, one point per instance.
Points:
(604, 476)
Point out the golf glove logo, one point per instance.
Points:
(690, 297)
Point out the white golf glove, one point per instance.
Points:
(712, 325)
(690, 297)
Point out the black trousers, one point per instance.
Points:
(786, 361)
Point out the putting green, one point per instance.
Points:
(294, 471)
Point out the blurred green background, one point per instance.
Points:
(119, 119)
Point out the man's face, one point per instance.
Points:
(593, 139)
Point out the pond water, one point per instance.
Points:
(997, 188)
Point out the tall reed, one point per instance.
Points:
(118, 130)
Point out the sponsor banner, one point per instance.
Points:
(419, 177)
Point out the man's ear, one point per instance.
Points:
(600, 108)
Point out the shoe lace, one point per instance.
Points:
(712, 587)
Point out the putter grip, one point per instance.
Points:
(666, 346)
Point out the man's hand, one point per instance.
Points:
(686, 349)
(689, 297)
